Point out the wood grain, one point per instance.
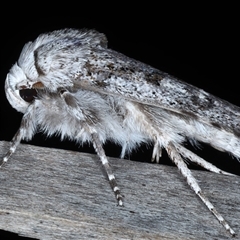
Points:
(49, 193)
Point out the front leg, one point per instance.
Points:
(25, 131)
(14, 143)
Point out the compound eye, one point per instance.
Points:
(28, 95)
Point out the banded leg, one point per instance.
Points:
(157, 152)
(112, 180)
(74, 108)
(177, 159)
(187, 154)
(15, 141)
(123, 152)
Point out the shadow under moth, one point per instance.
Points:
(68, 82)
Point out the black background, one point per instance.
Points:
(198, 44)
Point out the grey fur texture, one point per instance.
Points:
(68, 82)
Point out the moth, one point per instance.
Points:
(68, 82)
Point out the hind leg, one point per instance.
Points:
(181, 165)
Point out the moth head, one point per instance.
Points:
(19, 90)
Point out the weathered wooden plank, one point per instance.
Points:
(57, 194)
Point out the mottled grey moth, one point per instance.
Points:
(69, 82)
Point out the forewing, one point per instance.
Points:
(83, 61)
(113, 73)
